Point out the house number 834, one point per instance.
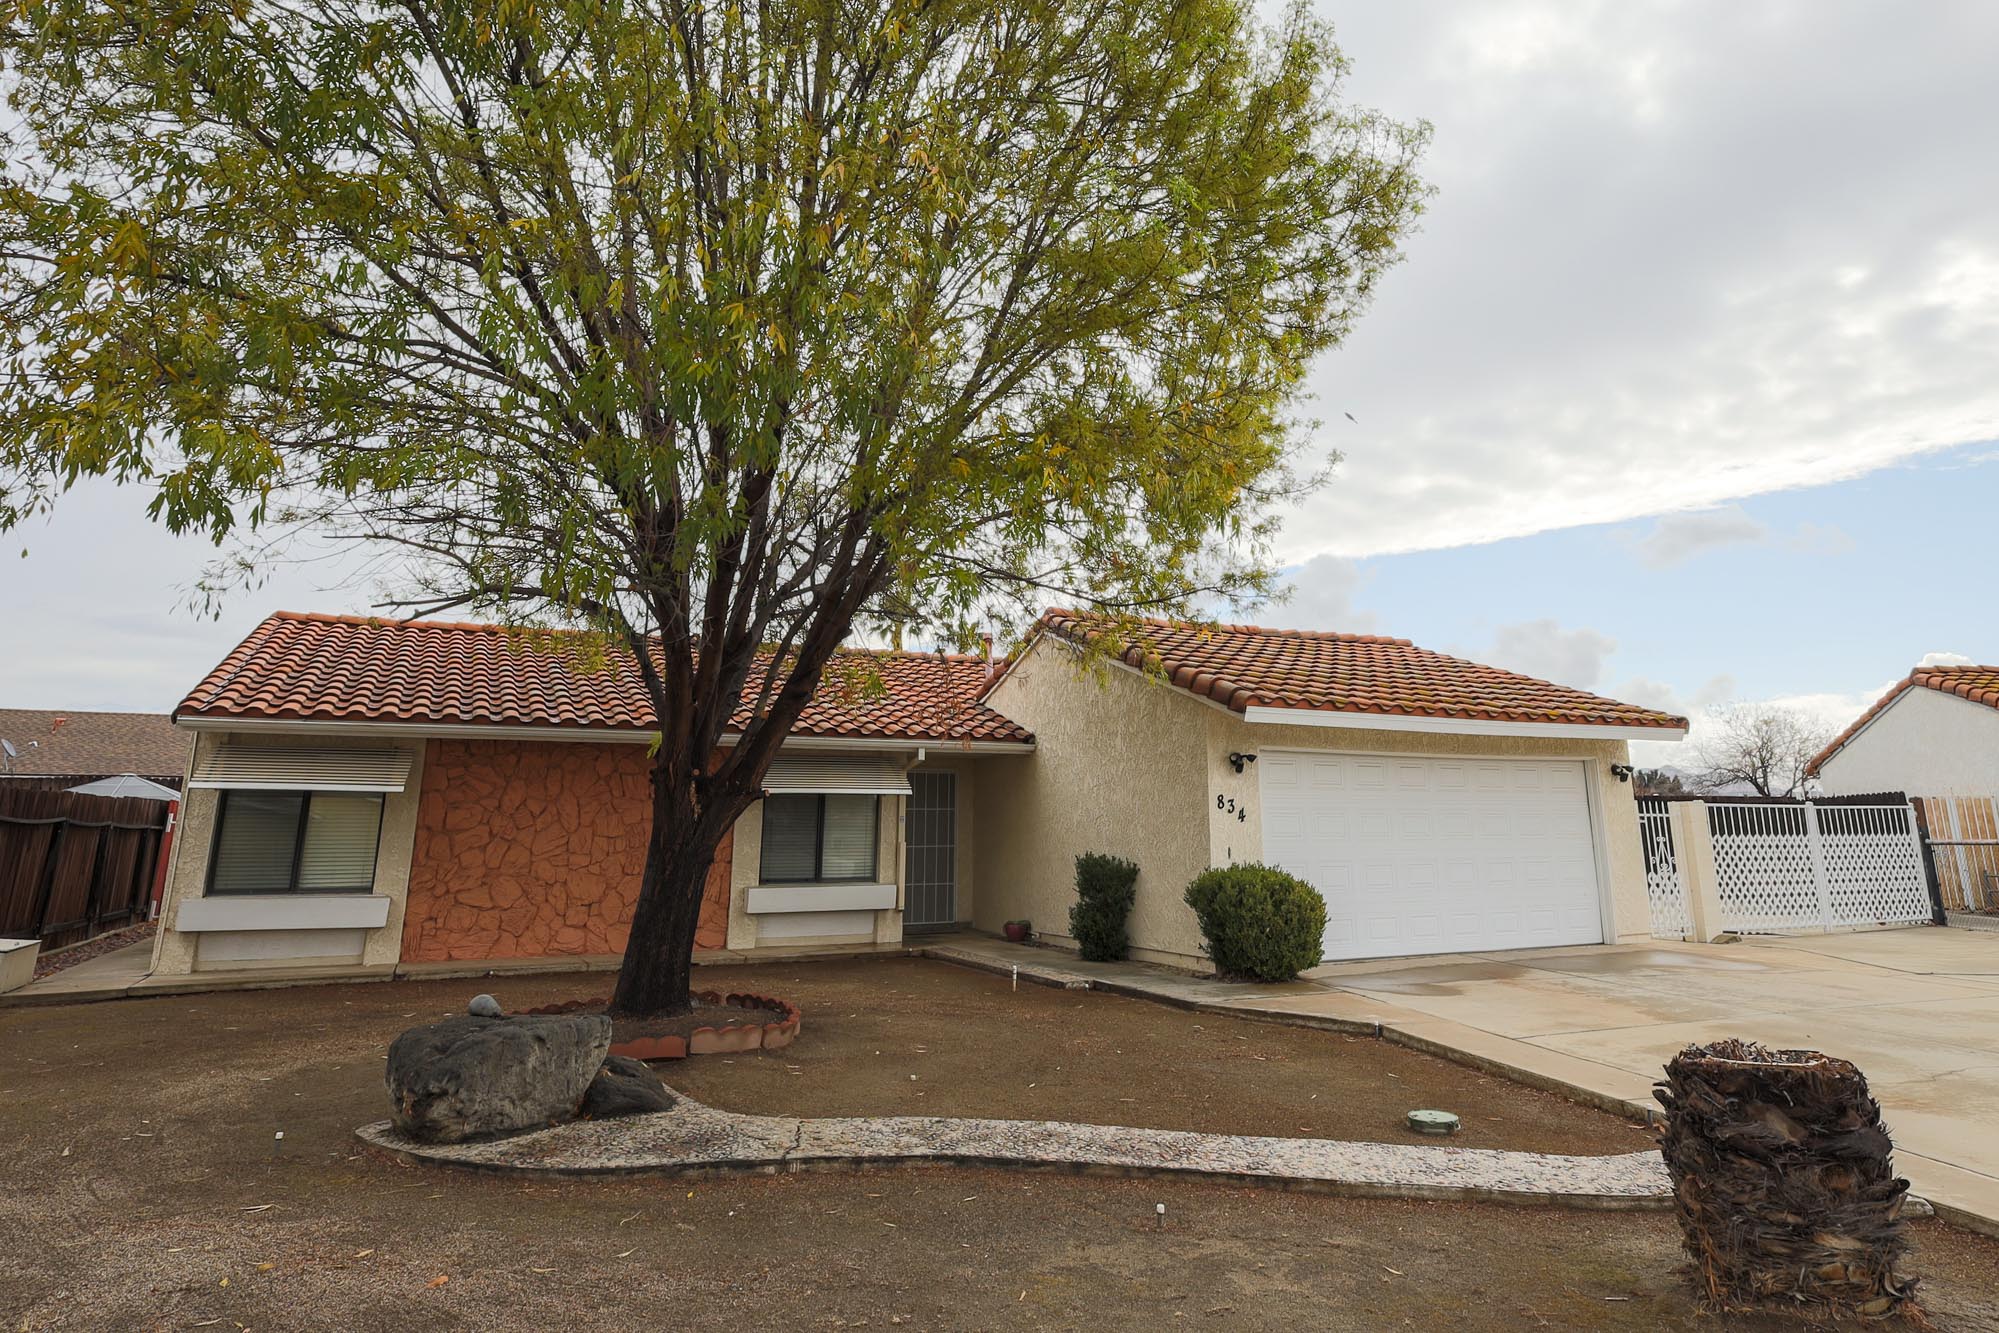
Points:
(1227, 805)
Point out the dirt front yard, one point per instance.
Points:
(148, 1187)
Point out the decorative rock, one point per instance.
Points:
(625, 1087)
(468, 1078)
(485, 1006)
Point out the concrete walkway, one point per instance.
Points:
(117, 970)
(1916, 1009)
(696, 1138)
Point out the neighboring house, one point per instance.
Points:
(67, 749)
(366, 794)
(1936, 733)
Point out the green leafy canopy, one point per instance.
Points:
(547, 291)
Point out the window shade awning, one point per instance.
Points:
(259, 769)
(854, 775)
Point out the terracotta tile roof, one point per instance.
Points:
(1243, 666)
(94, 745)
(354, 668)
(1979, 684)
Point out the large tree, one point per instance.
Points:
(1764, 747)
(715, 329)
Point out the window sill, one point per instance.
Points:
(284, 911)
(768, 898)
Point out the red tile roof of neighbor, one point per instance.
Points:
(80, 745)
(1243, 666)
(358, 669)
(1979, 684)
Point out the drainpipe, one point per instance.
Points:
(902, 842)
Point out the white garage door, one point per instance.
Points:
(1417, 855)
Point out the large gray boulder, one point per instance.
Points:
(625, 1086)
(470, 1077)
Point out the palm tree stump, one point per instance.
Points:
(1783, 1180)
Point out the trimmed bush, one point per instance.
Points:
(1258, 921)
(1105, 887)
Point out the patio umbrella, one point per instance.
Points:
(128, 785)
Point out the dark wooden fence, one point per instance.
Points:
(75, 866)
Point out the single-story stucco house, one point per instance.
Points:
(366, 796)
(1935, 733)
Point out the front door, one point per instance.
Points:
(930, 831)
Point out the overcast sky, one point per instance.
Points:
(1686, 391)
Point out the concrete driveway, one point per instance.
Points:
(1917, 1009)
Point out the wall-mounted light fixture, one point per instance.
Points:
(1239, 761)
(1622, 772)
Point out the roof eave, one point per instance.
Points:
(427, 729)
(1459, 726)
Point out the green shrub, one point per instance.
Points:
(1259, 922)
(1105, 887)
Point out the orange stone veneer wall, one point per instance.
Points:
(531, 850)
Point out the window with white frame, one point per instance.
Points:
(819, 838)
(295, 842)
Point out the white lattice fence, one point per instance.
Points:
(1763, 868)
(1665, 890)
(1798, 867)
(1873, 864)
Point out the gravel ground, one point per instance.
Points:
(147, 1189)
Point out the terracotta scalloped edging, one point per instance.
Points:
(706, 1040)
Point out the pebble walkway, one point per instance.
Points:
(697, 1138)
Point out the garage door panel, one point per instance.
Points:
(1428, 855)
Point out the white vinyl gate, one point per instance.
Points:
(1783, 866)
(1665, 890)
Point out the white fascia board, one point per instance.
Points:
(480, 731)
(1456, 726)
(414, 730)
(899, 745)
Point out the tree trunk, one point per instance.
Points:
(1783, 1181)
(656, 976)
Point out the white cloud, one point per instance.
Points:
(1321, 596)
(1945, 660)
(1679, 537)
(1543, 649)
(1828, 712)
(1649, 281)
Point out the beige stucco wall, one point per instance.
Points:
(1926, 743)
(176, 953)
(1119, 767)
(1130, 766)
